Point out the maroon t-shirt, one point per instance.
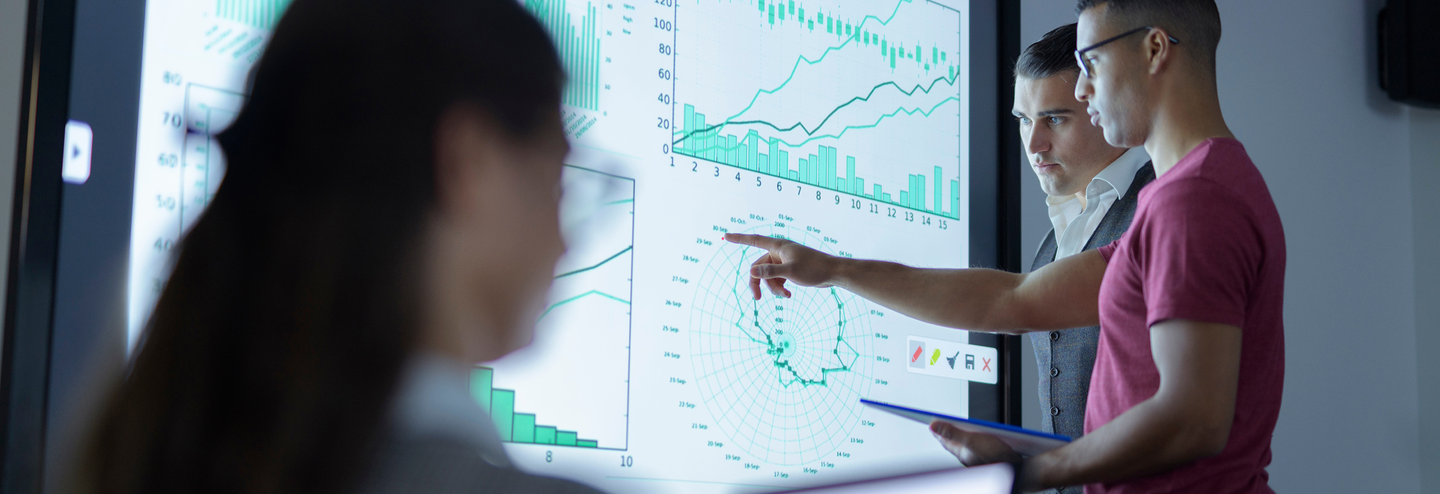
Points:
(1206, 245)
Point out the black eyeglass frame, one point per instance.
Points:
(1085, 65)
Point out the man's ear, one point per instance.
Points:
(466, 150)
(1159, 51)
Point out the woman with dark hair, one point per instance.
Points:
(388, 217)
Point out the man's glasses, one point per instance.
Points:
(1085, 69)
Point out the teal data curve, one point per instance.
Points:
(844, 130)
(827, 51)
(596, 293)
(776, 349)
(807, 130)
(596, 265)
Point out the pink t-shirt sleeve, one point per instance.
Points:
(1200, 250)
(1107, 250)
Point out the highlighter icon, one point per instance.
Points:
(935, 357)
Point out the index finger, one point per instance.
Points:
(761, 241)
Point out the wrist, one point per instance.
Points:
(841, 272)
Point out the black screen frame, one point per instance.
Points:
(36, 336)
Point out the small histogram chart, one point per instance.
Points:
(514, 426)
(577, 38)
(782, 378)
(262, 14)
(571, 386)
(862, 100)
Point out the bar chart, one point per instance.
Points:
(514, 426)
(768, 156)
(262, 14)
(577, 38)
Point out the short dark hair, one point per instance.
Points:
(1053, 54)
(1196, 23)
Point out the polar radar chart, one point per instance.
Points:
(781, 377)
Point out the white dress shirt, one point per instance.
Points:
(1076, 217)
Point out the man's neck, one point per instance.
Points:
(1188, 116)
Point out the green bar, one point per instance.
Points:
(504, 412)
(938, 195)
(886, 198)
(792, 7)
(884, 46)
(730, 147)
(804, 171)
(524, 428)
(892, 58)
(565, 438)
(859, 186)
(954, 199)
(919, 193)
(585, 443)
(850, 175)
(544, 434)
(878, 192)
(829, 28)
(480, 386)
(904, 200)
(815, 168)
(934, 54)
(793, 175)
(772, 14)
(761, 3)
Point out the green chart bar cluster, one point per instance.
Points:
(847, 30)
(259, 13)
(516, 427)
(579, 48)
(764, 156)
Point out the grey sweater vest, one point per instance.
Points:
(1065, 358)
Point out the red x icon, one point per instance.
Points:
(987, 364)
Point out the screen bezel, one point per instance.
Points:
(38, 341)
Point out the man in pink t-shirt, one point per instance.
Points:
(1190, 365)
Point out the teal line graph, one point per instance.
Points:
(803, 59)
(600, 261)
(597, 265)
(780, 377)
(596, 293)
(686, 134)
(763, 145)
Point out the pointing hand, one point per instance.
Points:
(785, 260)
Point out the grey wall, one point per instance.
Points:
(1348, 171)
(1425, 180)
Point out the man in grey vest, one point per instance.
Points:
(1091, 193)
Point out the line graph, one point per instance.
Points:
(868, 102)
(576, 374)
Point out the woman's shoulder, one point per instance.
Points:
(443, 465)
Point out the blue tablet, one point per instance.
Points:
(1024, 441)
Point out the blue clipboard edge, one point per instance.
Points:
(985, 423)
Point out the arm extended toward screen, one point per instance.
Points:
(1061, 295)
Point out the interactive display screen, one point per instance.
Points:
(839, 124)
